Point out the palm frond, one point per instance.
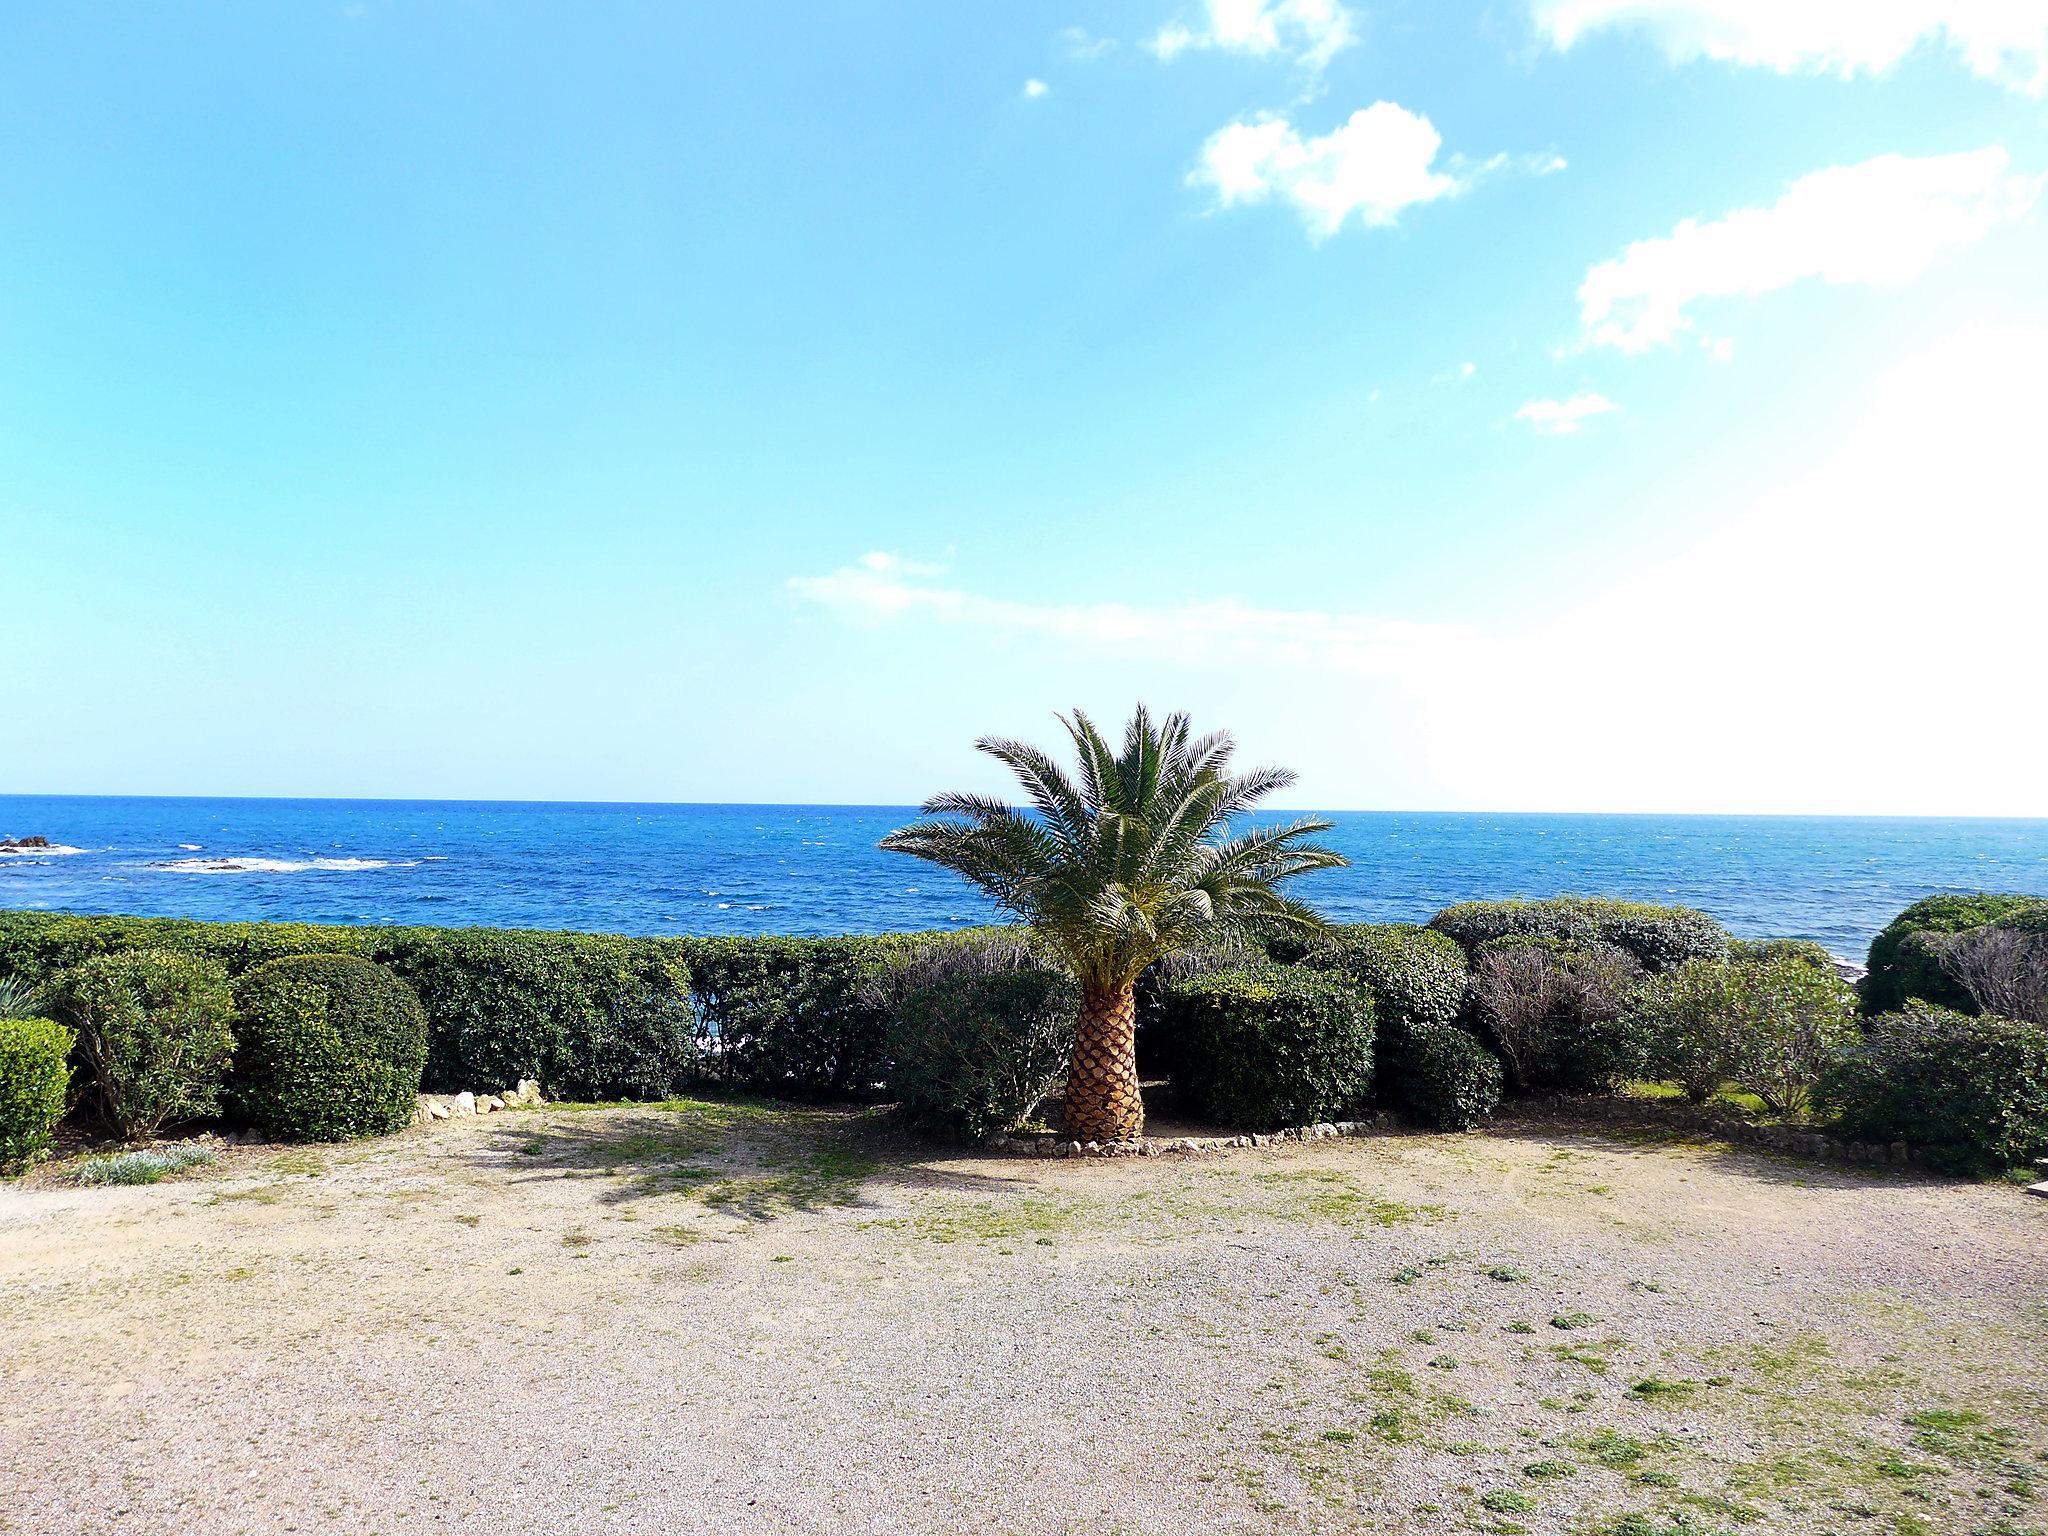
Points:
(1133, 856)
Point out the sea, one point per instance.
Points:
(816, 869)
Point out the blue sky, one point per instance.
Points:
(759, 403)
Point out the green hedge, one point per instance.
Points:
(974, 1054)
(34, 1078)
(328, 1047)
(1905, 959)
(587, 1015)
(1658, 937)
(1970, 1091)
(1262, 1049)
(1449, 1080)
(794, 1016)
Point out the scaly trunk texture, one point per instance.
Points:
(1102, 1085)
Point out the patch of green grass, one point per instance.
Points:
(147, 1166)
(1407, 1274)
(1518, 1326)
(1443, 1363)
(1581, 1354)
(1549, 1470)
(1656, 1389)
(988, 1221)
(1507, 1274)
(1570, 1320)
(1621, 1452)
(1507, 1501)
(1324, 1194)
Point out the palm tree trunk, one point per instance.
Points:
(1102, 1084)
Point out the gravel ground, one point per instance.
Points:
(712, 1317)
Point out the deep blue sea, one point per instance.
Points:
(815, 869)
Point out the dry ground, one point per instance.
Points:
(723, 1317)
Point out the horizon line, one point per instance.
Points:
(912, 806)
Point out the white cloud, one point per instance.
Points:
(880, 588)
(1082, 46)
(1311, 32)
(1880, 223)
(1561, 418)
(1034, 89)
(1789, 659)
(2005, 40)
(1378, 163)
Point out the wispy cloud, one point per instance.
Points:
(1880, 223)
(1561, 418)
(1082, 46)
(1035, 89)
(2004, 40)
(1309, 32)
(1379, 162)
(882, 588)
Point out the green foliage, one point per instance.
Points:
(1770, 1026)
(973, 1055)
(154, 1034)
(1272, 1047)
(587, 1015)
(1558, 1012)
(591, 1016)
(34, 1078)
(793, 1016)
(1688, 1019)
(1805, 951)
(1131, 859)
(1415, 976)
(150, 1165)
(1658, 937)
(330, 1047)
(1905, 959)
(1971, 1091)
(1448, 1080)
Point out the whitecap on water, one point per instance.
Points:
(259, 866)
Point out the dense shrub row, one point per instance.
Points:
(589, 1015)
(334, 1025)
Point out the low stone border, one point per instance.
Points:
(1818, 1145)
(449, 1106)
(1168, 1146)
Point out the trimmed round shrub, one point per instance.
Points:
(1658, 937)
(154, 1037)
(329, 1047)
(34, 1078)
(974, 1055)
(1449, 1081)
(1558, 1013)
(1262, 1049)
(1971, 1091)
(1415, 977)
(1906, 958)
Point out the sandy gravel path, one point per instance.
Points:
(721, 1318)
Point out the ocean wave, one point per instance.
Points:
(54, 850)
(257, 866)
(191, 847)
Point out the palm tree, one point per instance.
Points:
(1130, 862)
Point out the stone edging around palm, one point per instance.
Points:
(1049, 1145)
(1777, 1138)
